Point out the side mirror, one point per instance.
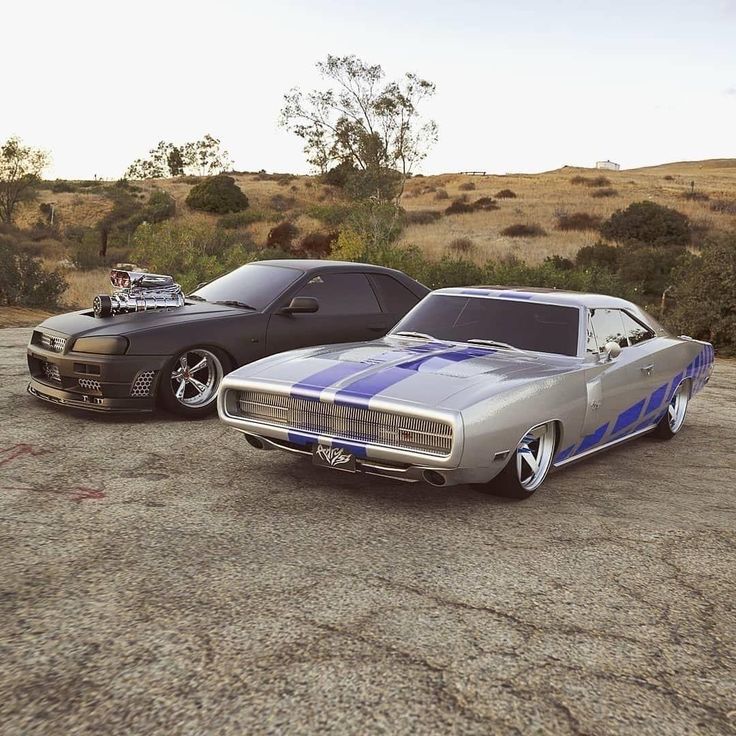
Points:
(301, 305)
(611, 350)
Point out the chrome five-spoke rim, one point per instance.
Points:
(677, 408)
(534, 456)
(195, 377)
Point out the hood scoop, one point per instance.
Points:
(135, 291)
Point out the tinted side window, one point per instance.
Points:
(394, 296)
(342, 293)
(608, 327)
(635, 331)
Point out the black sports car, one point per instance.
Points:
(148, 343)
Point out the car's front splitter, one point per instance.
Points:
(89, 403)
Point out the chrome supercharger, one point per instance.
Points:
(134, 291)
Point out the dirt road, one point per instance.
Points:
(162, 577)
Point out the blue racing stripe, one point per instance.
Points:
(301, 439)
(312, 386)
(675, 383)
(628, 417)
(592, 439)
(364, 389)
(515, 295)
(657, 397)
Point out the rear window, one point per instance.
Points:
(546, 328)
(394, 297)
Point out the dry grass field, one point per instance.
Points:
(540, 198)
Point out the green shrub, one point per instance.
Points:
(649, 269)
(521, 230)
(219, 194)
(441, 194)
(192, 253)
(579, 180)
(330, 214)
(282, 236)
(24, 282)
(160, 206)
(338, 175)
(577, 221)
(704, 294)
(560, 263)
(598, 181)
(647, 223)
(600, 255)
(506, 194)
(467, 186)
(724, 206)
(695, 196)
(62, 185)
(236, 220)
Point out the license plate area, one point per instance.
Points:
(336, 458)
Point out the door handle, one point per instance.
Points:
(647, 369)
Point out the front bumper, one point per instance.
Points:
(103, 383)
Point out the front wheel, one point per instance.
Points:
(671, 423)
(528, 466)
(190, 380)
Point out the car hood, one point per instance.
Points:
(84, 322)
(392, 369)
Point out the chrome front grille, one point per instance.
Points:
(56, 344)
(347, 422)
(51, 372)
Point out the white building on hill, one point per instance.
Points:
(607, 165)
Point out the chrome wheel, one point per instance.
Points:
(534, 456)
(677, 408)
(195, 377)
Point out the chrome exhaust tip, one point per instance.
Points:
(434, 478)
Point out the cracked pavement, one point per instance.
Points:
(160, 576)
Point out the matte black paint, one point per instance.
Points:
(157, 335)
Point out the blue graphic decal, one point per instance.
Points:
(301, 439)
(441, 360)
(480, 292)
(592, 439)
(675, 383)
(564, 454)
(628, 417)
(656, 399)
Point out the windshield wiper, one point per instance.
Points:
(494, 344)
(408, 333)
(235, 303)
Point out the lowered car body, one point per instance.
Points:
(153, 344)
(473, 384)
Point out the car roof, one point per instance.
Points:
(306, 264)
(548, 296)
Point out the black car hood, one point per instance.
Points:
(84, 322)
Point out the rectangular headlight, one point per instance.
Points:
(102, 345)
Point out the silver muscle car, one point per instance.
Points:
(480, 385)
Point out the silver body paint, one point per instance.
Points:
(490, 400)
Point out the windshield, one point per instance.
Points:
(545, 328)
(254, 284)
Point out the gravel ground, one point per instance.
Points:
(162, 577)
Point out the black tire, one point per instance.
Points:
(191, 402)
(515, 481)
(671, 423)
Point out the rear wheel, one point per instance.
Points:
(671, 423)
(528, 466)
(189, 383)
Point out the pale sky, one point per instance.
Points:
(522, 85)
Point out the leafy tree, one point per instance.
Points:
(647, 223)
(371, 127)
(20, 171)
(24, 281)
(218, 194)
(204, 157)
